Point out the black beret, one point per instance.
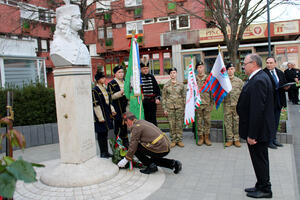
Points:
(172, 69)
(117, 68)
(143, 65)
(99, 75)
(229, 65)
(199, 63)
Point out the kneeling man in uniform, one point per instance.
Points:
(149, 144)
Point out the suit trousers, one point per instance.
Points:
(150, 111)
(277, 112)
(147, 157)
(260, 161)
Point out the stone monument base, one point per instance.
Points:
(92, 171)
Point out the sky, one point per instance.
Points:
(288, 10)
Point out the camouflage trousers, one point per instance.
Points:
(231, 122)
(175, 118)
(203, 119)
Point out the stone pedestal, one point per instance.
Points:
(79, 164)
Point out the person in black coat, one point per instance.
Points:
(103, 113)
(256, 121)
(278, 80)
(291, 76)
(120, 102)
(151, 94)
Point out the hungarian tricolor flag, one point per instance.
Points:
(192, 100)
(132, 85)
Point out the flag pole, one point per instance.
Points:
(196, 128)
(223, 127)
(138, 97)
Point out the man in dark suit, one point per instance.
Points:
(278, 80)
(256, 120)
(291, 76)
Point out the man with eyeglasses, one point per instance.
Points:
(278, 80)
(256, 120)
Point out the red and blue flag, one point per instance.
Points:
(218, 82)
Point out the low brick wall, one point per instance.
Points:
(36, 135)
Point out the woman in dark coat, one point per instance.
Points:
(103, 113)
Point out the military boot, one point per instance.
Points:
(180, 144)
(237, 143)
(207, 140)
(228, 143)
(200, 140)
(173, 144)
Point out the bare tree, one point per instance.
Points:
(231, 17)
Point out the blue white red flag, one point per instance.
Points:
(218, 82)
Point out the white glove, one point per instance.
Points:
(123, 162)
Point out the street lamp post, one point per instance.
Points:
(269, 32)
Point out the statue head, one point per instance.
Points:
(68, 20)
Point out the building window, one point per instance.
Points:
(163, 19)
(42, 15)
(100, 33)
(102, 6)
(44, 45)
(109, 33)
(137, 26)
(148, 21)
(180, 22)
(167, 63)
(93, 50)
(90, 25)
(132, 3)
(17, 72)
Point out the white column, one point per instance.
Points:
(176, 59)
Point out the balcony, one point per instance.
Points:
(109, 43)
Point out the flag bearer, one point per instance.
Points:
(231, 118)
(203, 112)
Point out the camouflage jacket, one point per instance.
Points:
(206, 97)
(232, 97)
(173, 96)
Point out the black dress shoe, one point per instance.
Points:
(272, 146)
(106, 155)
(150, 169)
(259, 194)
(177, 166)
(253, 189)
(277, 143)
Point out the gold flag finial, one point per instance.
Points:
(219, 48)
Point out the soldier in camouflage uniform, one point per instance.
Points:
(231, 118)
(173, 99)
(206, 106)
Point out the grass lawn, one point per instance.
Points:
(218, 115)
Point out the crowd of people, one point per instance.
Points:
(251, 111)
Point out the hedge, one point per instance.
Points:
(32, 104)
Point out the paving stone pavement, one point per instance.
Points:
(209, 173)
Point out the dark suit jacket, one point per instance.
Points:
(256, 108)
(279, 94)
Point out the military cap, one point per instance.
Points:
(129, 115)
(229, 65)
(99, 75)
(172, 69)
(143, 65)
(117, 68)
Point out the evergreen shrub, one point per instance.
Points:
(32, 104)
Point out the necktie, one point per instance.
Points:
(275, 79)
